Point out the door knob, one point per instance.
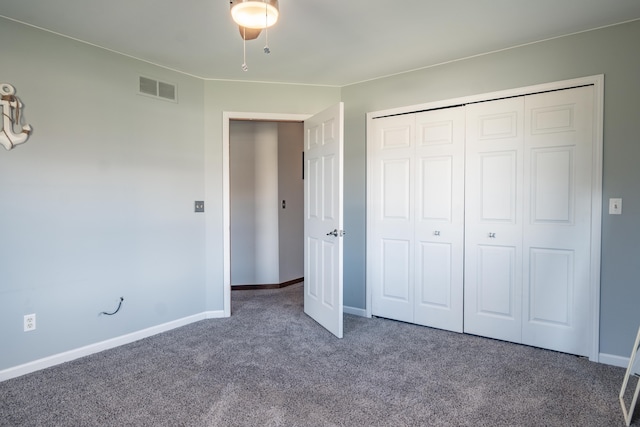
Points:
(333, 233)
(436, 233)
(492, 235)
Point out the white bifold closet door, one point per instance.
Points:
(416, 249)
(528, 219)
(493, 219)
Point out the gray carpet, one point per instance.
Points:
(270, 365)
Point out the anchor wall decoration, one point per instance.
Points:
(11, 107)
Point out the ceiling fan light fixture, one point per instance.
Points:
(255, 14)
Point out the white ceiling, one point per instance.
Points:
(323, 42)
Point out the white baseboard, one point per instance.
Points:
(70, 355)
(355, 311)
(610, 359)
(67, 356)
(218, 314)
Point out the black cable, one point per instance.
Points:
(117, 309)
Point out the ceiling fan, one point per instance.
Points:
(252, 16)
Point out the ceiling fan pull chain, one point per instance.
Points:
(266, 29)
(244, 50)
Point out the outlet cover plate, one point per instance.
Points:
(615, 206)
(29, 322)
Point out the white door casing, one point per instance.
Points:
(211, 242)
(323, 218)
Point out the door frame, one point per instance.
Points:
(227, 116)
(596, 202)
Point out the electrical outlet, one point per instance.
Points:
(29, 322)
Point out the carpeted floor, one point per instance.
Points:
(271, 365)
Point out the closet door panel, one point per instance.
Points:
(493, 219)
(434, 280)
(551, 286)
(391, 249)
(496, 279)
(439, 219)
(396, 273)
(435, 181)
(557, 230)
(498, 184)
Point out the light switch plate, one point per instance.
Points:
(199, 206)
(615, 206)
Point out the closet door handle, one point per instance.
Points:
(436, 233)
(492, 235)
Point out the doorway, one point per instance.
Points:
(323, 210)
(266, 203)
(226, 209)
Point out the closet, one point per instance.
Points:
(481, 218)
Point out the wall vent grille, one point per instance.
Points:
(158, 89)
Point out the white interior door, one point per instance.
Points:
(323, 221)
(493, 219)
(417, 239)
(528, 219)
(557, 220)
(439, 218)
(391, 242)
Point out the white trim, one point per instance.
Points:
(482, 97)
(355, 311)
(613, 360)
(226, 203)
(217, 314)
(87, 350)
(226, 217)
(596, 206)
(596, 213)
(368, 219)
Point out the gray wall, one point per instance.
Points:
(242, 199)
(99, 202)
(291, 189)
(610, 51)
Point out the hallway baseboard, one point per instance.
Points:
(267, 286)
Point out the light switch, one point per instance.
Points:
(615, 206)
(199, 206)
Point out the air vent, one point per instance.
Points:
(166, 91)
(157, 89)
